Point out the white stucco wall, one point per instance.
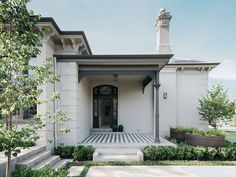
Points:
(191, 86)
(167, 106)
(136, 108)
(85, 109)
(69, 101)
(46, 134)
(184, 89)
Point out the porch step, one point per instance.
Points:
(118, 154)
(39, 158)
(61, 164)
(33, 160)
(49, 162)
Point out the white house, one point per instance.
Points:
(145, 93)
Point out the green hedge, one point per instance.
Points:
(65, 152)
(44, 172)
(79, 153)
(187, 152)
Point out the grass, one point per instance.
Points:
(88, 164)
(84, 172)
(161, 163)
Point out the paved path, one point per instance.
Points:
(162, 171)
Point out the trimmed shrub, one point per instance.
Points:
(83, 153)
(44, 172)
(187, 152)
(65, 152)
(79, 153)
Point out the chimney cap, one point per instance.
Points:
(163, 14)
(163, 18)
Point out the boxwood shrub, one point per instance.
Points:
(44, 172)
(83, 153)
(187, 152)
(79, 153)
(65, 152)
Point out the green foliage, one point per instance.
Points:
(19, 41)
(187, 152)
(209, 133)
(45, 172)
(29, 144)
(83, 153)
(65, 152)
(184, 129)
(159, 162)
(216, 107)
(79, 153)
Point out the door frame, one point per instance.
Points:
(97, 94)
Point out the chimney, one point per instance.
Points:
(162, 24)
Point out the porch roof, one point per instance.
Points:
(158, 60)
(146, 64)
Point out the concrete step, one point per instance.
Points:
(61, 164)
(32, 151)
(49, 162)
(118, 154)
(33, 160)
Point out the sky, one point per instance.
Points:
(199, 29)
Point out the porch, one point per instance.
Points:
(123, 140)
(102, 91)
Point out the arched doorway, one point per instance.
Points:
(105, 106)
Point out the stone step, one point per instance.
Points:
(49, 162)
(61, 164)
(29, 152)
(118, 154)
(33, 160)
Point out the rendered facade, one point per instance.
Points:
(145, 93)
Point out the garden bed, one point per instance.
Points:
(207, 141)
(184, 151)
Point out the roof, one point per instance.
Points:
(153, 60)
(52, 21)
(185, 61)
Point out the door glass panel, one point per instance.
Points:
(95, 107)
(105, 106)
(105, 90)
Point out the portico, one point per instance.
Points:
(140, 69)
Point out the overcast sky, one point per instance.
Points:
(200, 29)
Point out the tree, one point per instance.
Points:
(216, 107)
(19, 41)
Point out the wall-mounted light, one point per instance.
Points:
(115, 77)
(165, 95)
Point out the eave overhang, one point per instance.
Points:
(154, 60)
(73, 36)
(204, 66)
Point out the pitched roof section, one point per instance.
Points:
(52, 21)
(184, 61)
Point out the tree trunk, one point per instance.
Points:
(8, 167)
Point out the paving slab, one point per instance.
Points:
(75, 170)
(163, 171)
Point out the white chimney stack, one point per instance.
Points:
(162, 24)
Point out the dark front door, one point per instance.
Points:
(105, 106)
